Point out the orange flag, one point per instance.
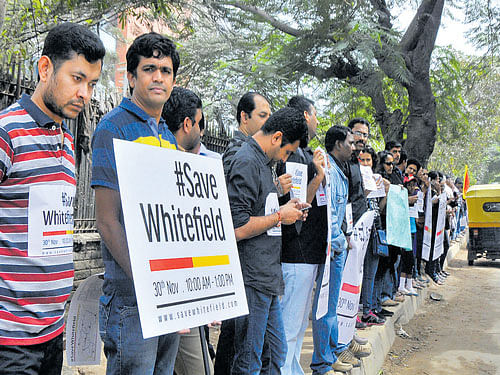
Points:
(466, 181)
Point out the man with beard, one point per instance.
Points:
(395, 149)
(37, 168)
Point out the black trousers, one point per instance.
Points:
(39, 359)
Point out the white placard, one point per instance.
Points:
(350, 290)
(348, 217)
(413, 211)
(426, 244)
(83, 342)
(420, 201)
(380, 192)
(180, 237)
(299, 180)
(322, 305)
(368, 178)
(440, 225)
(321, 196)
(272, 206)
(50, 220)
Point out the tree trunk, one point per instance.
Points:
(417, 45)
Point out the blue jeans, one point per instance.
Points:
(125, 349)
(325, 330)
(370, 266)
(296, 303)
(264, 319)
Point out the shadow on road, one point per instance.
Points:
(484, 263)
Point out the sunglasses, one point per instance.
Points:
(389, 163)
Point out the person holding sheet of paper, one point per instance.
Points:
(339, 144)
(303, 245)
(37, 174)
(257, 218)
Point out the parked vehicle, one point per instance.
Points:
(483, 205)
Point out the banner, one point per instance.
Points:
(322, 306)
(347, 307)
(398, 219)
(441, 222)
(426, 245)
(180, 236)
(83, 342)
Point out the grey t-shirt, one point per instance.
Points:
(250, 187)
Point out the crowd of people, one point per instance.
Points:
(282, 241)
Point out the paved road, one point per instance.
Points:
(459, 335)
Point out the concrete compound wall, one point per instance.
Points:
(86, 256)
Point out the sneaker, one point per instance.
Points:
(360, 340)
(371, 319)
(446, 273)
(437, 280)
(404, 291)
(390, 302)
(385, 313)
(360, 324)
(347, 357)
(442, 274)
(398, 298)
(341, 366)
(360, 351)
(411, 291)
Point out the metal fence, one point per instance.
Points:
(16, 79)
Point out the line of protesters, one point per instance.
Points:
(282, 254)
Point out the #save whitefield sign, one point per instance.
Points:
(180, 237)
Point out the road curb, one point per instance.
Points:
(381, 338)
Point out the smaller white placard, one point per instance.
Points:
(299, 180)
(348, 217)
(420, 201)
(368, 179)
(322, 307)
(83, 343)
(272, 206)
(50, 220)
(380, 192)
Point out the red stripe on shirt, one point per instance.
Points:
(32, 341)
(36, 300)
(43, 178)
(13, 228)
(5, 315)
(10, 251)
(19, 112)
(18, 203)
(29, 277)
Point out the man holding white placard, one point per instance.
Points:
(257, 218)
(303, 245)
(339, 144)
(152, 63)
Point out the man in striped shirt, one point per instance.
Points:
(37, 184)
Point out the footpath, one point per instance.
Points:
(381, 338)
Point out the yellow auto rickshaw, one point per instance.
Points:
(483, 205)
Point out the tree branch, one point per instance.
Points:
(268, 18)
